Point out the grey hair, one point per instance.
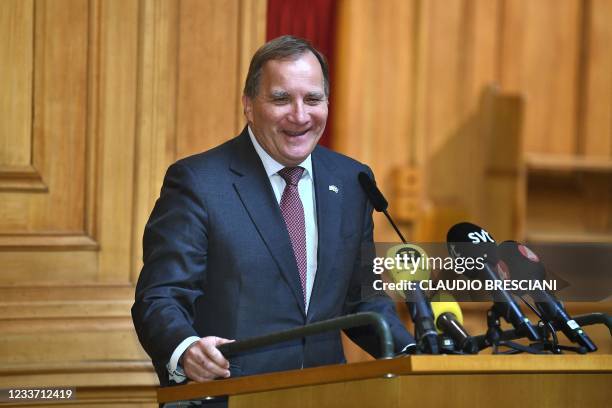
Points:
(280, 48)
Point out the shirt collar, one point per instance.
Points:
(272, 166)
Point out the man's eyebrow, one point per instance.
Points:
(315, 95)
(279, 94)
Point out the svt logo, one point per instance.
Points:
(478, 237)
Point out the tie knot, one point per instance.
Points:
(291, 175)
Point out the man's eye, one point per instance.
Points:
(280, 101)
(313, 101)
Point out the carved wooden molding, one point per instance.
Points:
(21, 178)
(48, 242)
(113, 383)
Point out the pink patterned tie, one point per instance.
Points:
(293, 213)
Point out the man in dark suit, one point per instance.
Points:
(260, 234)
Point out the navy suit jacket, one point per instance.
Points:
(218, 262)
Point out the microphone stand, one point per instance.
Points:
(496, 337)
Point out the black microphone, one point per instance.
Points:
(524, 264)
(466, 240)
(377, 199)
(449, 320)
(416, 300)
(418, 304)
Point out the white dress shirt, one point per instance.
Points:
(307, 195)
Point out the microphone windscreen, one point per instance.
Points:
(469, 240)
(443, 302)
(412, 263)
(374, 195)
(523, 263)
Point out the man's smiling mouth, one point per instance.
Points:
(296, 133)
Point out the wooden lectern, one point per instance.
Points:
(422, 381)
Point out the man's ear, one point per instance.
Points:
(247, 108)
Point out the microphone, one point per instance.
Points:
(524, 264)
(377, 199)
(449, 321)
(418, 305)
(467, 240)
(415, 261)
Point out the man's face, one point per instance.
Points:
(289, 113)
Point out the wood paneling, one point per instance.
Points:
(48, 266)
(100, 344)
(208, 69)
(487, 83)
(253, 31)
(156, 127)
(459, 64)
(53, 214)
(17, 30)
(417, 101)
(50, 127)
(99, 97)
(540, 58)
(596, 126)
(374, 88)
(116, 65)
(96, 384)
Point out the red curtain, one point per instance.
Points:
(313, 20)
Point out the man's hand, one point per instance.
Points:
(202, 361)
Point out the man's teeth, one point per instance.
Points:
(300, 133)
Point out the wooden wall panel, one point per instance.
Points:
(252, 25)
(375, 87)
(109, 88)
(460, 62)
(411, 78)
(549, 54)
(106, 344)
(156, 127)
(100, 390)
(77, 232)
(25, 268)
(17, 28)
(116, 64)
(208, 72)
(490, 82)
(60, 106)
(540, 59)
(56, 132)
(52, 213)
(596, 129)
(190, 98)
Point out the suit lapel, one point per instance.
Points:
(255, 192)
(329, 196)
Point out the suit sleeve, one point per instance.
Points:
(174, 255)
(362, 296)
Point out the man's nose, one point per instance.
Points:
(298, 113)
